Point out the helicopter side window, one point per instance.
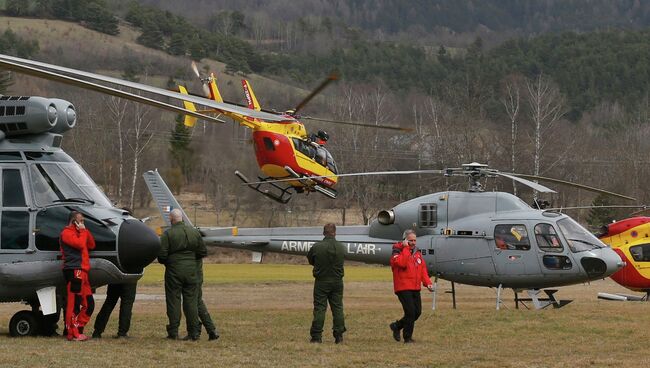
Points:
(268, 144)
(14, 230)
(547, 238)
(511, 237)
(641, 253)
(13, 194)
(304, 147)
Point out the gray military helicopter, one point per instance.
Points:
(476, 237)
(40, 186)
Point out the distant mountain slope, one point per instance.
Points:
(458, 16)
(71, 45)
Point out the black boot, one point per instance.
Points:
(213, 336)
(395, 328)
(338, 338)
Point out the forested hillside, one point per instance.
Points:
(565, 104)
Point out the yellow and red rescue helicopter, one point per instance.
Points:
(630, 238)
(284, 149)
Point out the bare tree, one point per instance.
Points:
(547, 107)
(511, 101)
(117, 107)
(141, 139)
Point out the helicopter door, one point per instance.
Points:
(555, 258)
(512, 250)
(14, 213)
(461, 255)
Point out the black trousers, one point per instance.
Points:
(126, 294)
(412, 306)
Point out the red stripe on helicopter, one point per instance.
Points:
(629, 277)
(625, 225)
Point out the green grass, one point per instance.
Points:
(265, 273)
(264, 313)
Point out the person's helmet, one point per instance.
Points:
(323, 135)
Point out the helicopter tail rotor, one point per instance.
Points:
(204, 80)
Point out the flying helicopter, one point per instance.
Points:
(282, 146)
(481, 238)
(41, 185)
(630, 238)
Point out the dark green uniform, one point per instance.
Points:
(327, 258)
(204, 315)
(180, 247)
(126, 294)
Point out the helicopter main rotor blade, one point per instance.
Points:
(18, 64)
(103, 89)
(581, 186)
(330, 78)
(391, 127)
(536, 186)
(372, 173)
(560, 209)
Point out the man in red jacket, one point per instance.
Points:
(76, 241)
(409, 272)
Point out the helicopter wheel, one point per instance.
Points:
(24, 323)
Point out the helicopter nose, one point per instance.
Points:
(604, 262)
(137, 246)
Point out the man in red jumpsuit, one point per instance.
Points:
(76, 241)
(409, 272)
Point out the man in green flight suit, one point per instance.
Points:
(180, 247)
(327, 258)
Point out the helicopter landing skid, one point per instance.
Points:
(311, 185)
(282, 197)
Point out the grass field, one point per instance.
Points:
(264, 312)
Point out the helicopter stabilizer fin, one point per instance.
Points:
(214, 90)
(164, 198)
(250, 96)
(189, 121)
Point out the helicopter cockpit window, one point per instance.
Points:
(52, 182)
(76, 173)
(511, 237)
(547, 238)
(330, 163)
(641, 253)
(10, 156)
(13, 194)
(578, 237)
(14, 233)
(48, 156)
(428, 215)
(52, 220)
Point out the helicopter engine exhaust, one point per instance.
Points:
(23, 115)
(67, 116)
(386, 217)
